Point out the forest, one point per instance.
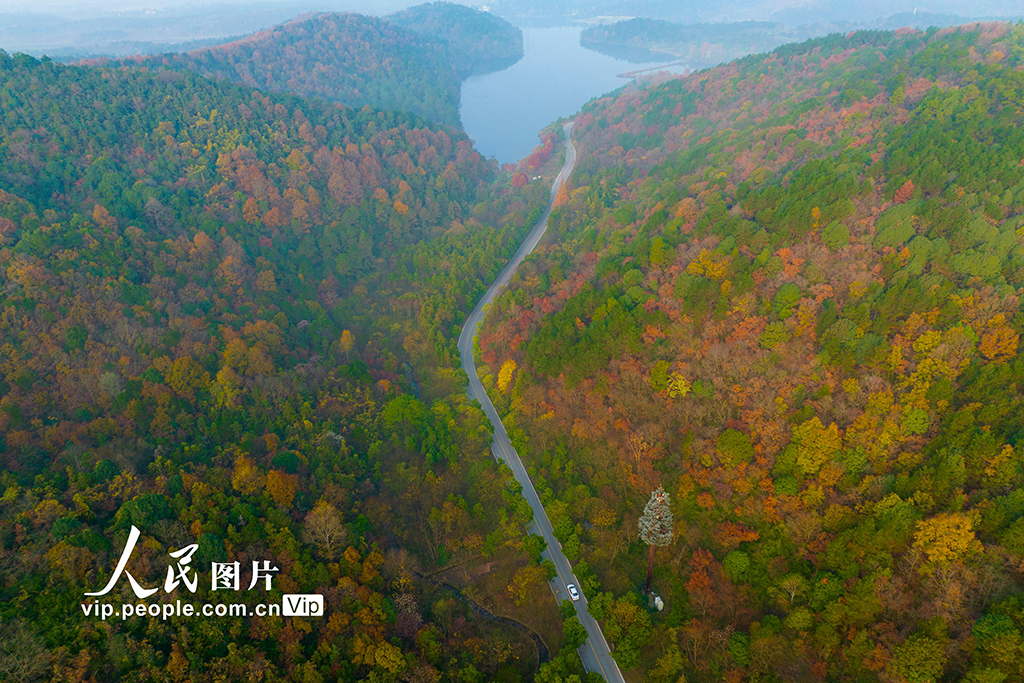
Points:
(228, 318)
(788, 291)
(413, 61)
(782, 295)
(643, 39)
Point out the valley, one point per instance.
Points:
(733, 353)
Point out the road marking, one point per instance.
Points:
(597, 656)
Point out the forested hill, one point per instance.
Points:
(480, 41)
(347, 58)
(228, 318)
(698, 44)
(358, 60)
(788, 289)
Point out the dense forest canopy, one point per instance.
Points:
(228, 318)
(771, 345)
(788, 290)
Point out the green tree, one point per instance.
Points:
(919, 659)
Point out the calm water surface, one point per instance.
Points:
(504, 111)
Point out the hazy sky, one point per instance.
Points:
(79, 8)
(762, 8)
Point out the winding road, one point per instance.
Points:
(594, 653)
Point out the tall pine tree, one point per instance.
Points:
(656, 526)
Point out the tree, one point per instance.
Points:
(946, 537)
(281, 487)
(999, 343)
(346, 343)
(524, 581)
(790, 586)
(656, 526)
(505, 374)
(904, 194)
(23, 654)
(186, 376)
(734, 448)
(816, 444)
(247, 477)
(266, 282)
(919, 659)
(573, 632)
(324, 528)
(678, 387)
(251, 211)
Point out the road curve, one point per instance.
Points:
(594, 653)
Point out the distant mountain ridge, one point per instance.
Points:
(699, 44)
(357, 60)
(485, 41)
(643, 39)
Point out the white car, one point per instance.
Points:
(573, 592)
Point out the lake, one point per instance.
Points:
(504, 111)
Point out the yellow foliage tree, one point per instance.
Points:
(524, 579)
(707, 265)
(389, 657)
(946, 537)
(235, 354)
(102, 217)
(678, 387)
(265, 281)
(1001, 468)
(247, 477)
(505, 374)
(281, 487)
(185, 376)
(999, 343)
(815, 444)
(346, 343)
(257, 362)
(226, 389)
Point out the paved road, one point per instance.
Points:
(594, 652)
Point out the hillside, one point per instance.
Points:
(697, 44)
(707, 44)
(351, 59)
(481, 41)
(788, 290)
(358, 60)
(226, 319)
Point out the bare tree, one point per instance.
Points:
(324, 528)
(23, 656)
(161, 218)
